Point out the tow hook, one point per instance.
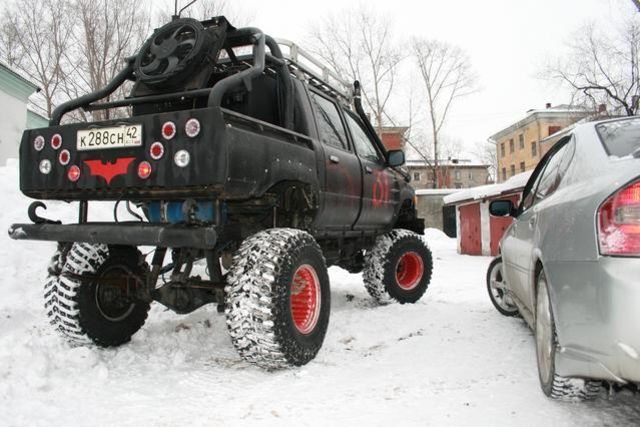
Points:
(35, 218)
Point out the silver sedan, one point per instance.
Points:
(570, 261)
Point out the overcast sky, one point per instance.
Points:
(507, 40)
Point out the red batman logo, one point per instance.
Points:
(109, 170)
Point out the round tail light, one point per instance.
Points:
(168, 130)
(45, 166)
(56, 141)
(144, 170)
(156, 151)
(73, 173)
(38, 143)
(182, 158)
(64, 157)
(192, 128)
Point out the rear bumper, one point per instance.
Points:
(124, 233)
(597, 318)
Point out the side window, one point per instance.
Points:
(555, 171)
(364, 146)
(551, 175)
(329, 124)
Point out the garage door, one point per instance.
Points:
(470, 238)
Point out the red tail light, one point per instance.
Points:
(144, 170)
(156, 151)
(56, 141)
(73, 173)
(168, 130)
(619, 222)
(64, 157)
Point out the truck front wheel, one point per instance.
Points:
(278, 298)
(398, 268)
(105, 312)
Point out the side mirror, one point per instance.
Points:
(502, 208)
(395, 158)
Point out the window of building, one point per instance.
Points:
(521, 166)
(457, 174)
(511, 146)
(534, 149)
(521, 141)
(502, 153)
(554, 129)
(513, 170)
(457, 185)
(470, 176)
(416, 176)
(504, 174)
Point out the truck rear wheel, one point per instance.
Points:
(278, 298)
(398, 268)
(106, 313)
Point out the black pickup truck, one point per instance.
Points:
(226, 150)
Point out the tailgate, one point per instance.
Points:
(114, 159)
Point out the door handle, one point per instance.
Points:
(367, 169)
(532, 222)
(334, 159)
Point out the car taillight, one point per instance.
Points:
(192, 128)
(144, 170)
(64, 157)
(168, 130)
(38, 143)
(156, 151)
(619, 222)
(73, 173)
(56, 141)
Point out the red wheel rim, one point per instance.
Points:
(409, 270)
(305, 299)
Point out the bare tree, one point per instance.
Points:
(205, 9)
(109, 32)
(33, 39)
(358, 43)
(447, 76)
(486, 153)
(603, 68)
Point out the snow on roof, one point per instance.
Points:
(516, 182)
(435, 191)
(446, 162)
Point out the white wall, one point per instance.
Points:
(13, 120)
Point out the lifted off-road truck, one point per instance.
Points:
(236, 154)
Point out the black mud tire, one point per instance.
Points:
(383, 273)
(496, 288)
(259, 301)
(553, 385)
(74, 308)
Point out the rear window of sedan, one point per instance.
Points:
(620, 138)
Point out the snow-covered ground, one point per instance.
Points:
(450, 359)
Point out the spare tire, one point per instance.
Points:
(172, 53)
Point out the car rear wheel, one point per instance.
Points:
(106, 312)
(554, 385)
(497, 288)
(278, 298)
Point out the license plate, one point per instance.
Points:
(114, 137)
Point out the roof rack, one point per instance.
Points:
(318, 74)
